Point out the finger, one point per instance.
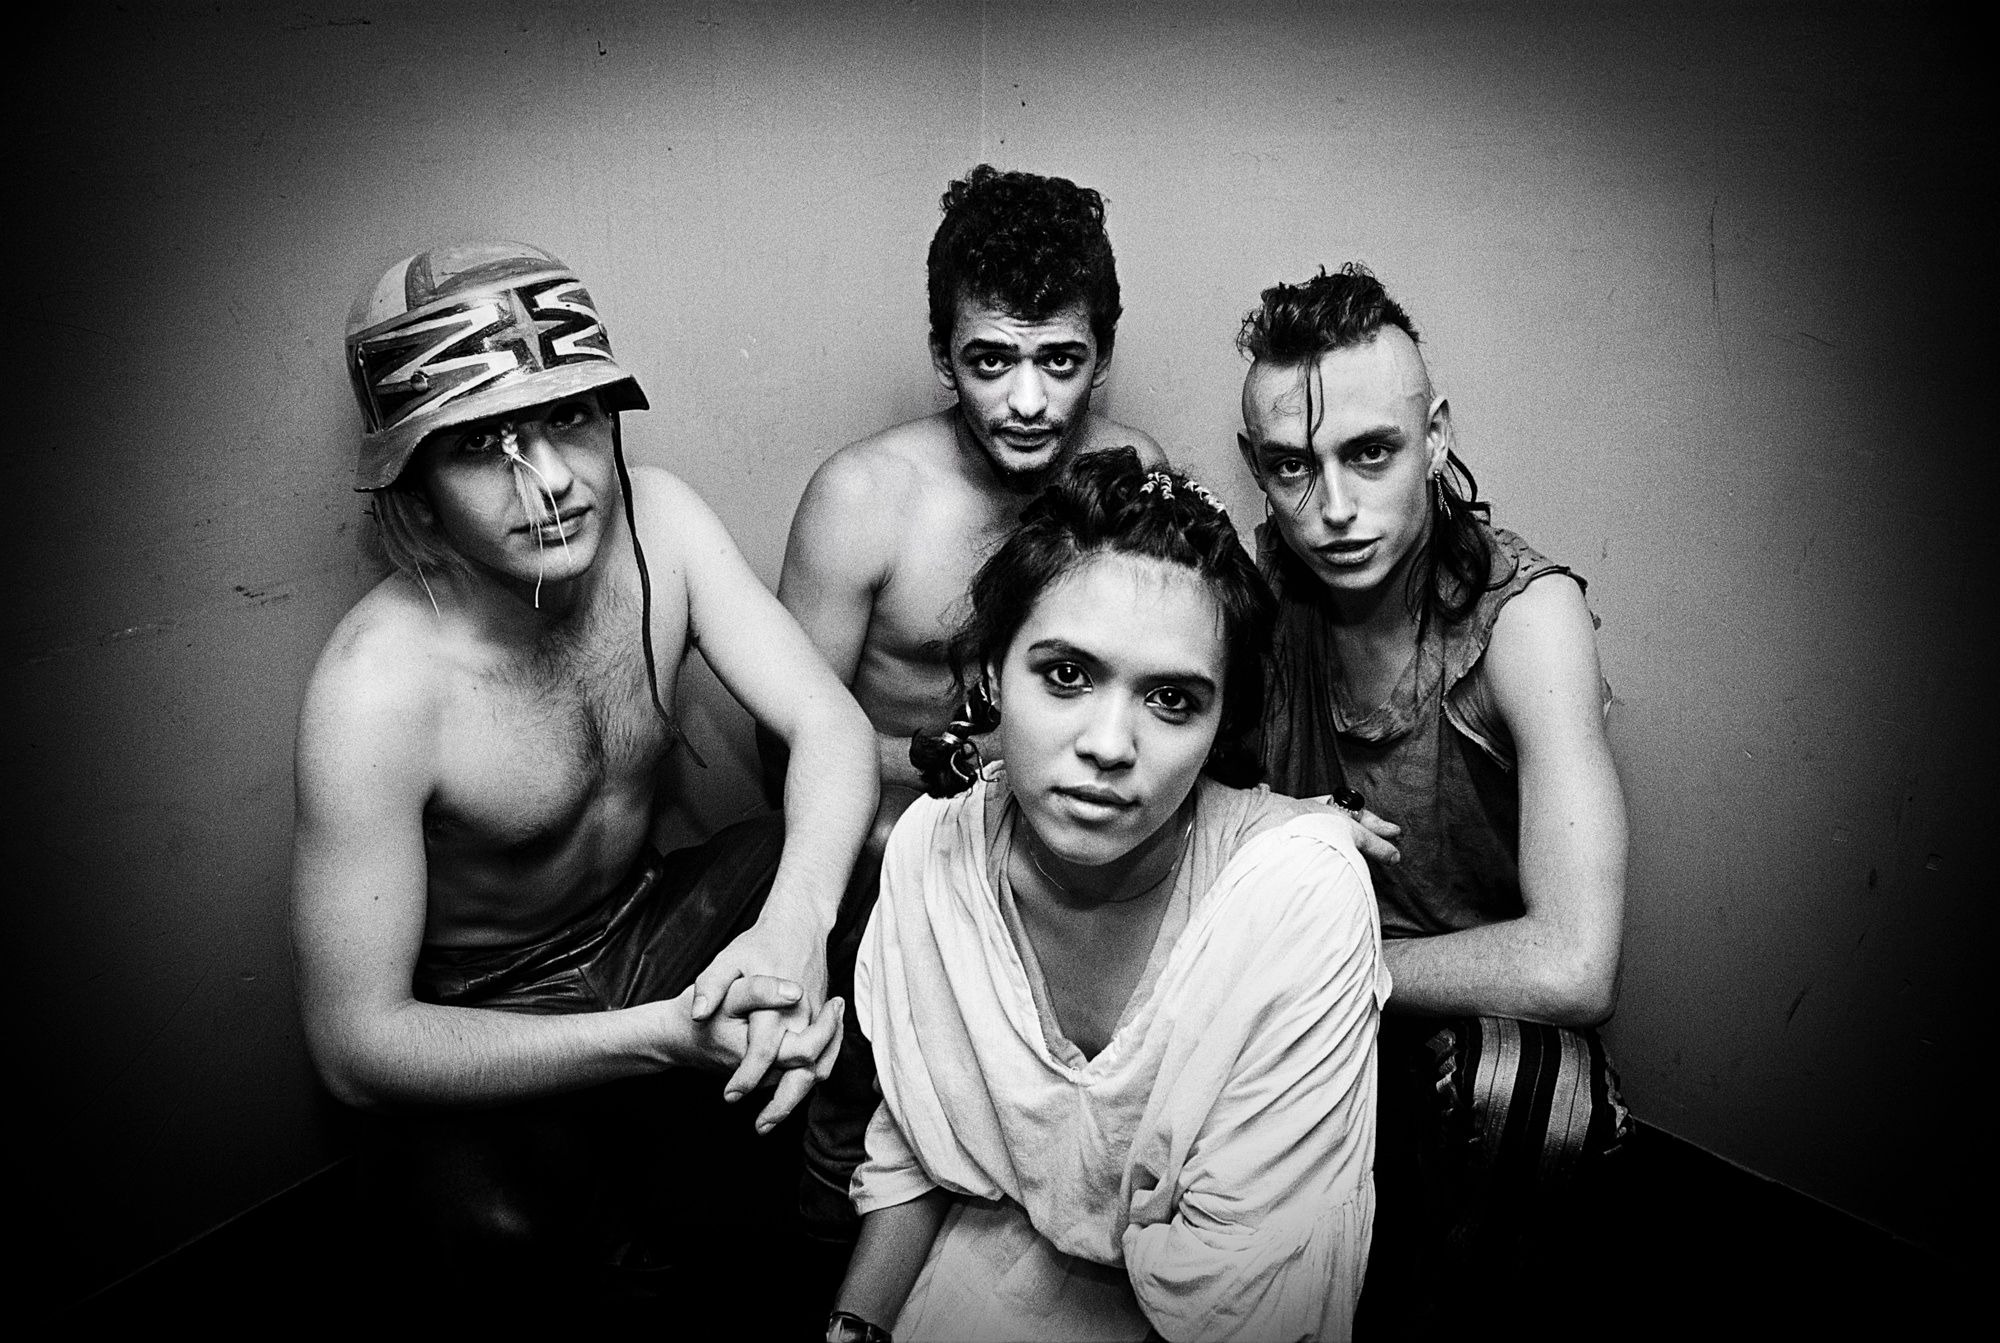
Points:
(711, 986)
(792, 1088)
(1360, 816)
(803, 1048)
(761, 993)
(767, 1032)
(1374, 846)
(799, 1048)
(823, 1065)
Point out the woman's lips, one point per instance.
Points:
(1090, 796)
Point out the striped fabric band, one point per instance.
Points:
(1531, 1100)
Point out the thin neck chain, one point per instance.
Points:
(1166, 878)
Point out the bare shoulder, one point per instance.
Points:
(1547, 618)
(662, 498)
(390, 638)
(841, 515)
(675, 523)
(1542, 659)
(377, 689)
(885, 465)
(1104, 432)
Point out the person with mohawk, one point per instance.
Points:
(1438, 678)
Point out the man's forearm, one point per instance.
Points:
(427, 1054)
(829, 803)
(892, 763)
(1519, 968)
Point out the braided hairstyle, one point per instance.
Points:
(1108, 503)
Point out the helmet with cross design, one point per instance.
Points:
(469, 330)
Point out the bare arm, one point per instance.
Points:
(1558, 962)
(836, 559)
(365, 766)
(894, 1243)
(762, 658)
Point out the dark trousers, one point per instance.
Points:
(602, 1193)
(1495, 1141)
(840, 1107)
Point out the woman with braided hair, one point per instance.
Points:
(1123, 1008)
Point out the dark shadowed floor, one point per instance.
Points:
(1700, 1250)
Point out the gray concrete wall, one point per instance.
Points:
(1698, 277)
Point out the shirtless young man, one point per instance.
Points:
(1023, 314)
(479, 916)
(1447, 673)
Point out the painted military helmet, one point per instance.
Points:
(468, 330)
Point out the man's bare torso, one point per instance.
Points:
(544, 753)
(941, 523)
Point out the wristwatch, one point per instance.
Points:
(844, 1326)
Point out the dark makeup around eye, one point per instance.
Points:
(1195, 685)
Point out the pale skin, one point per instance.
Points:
(891, 529)
(1111, 695)
(1110, 698)
(1353, 503)
(478, 763)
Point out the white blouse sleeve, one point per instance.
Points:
(1251, 1212)
(891, 1174)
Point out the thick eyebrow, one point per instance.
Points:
(1063, 648)
(980, 345)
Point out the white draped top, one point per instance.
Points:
(1210, 1171)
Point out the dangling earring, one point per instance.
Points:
(948, 760)
(980, 713)
(1437, 489)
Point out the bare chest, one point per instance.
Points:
(533, 752)
(903, 679)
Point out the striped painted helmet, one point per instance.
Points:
(468, 330)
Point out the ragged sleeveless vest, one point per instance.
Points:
(1434, 758)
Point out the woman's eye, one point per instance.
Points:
(1173, 701)
(1065, 676)
(569, 416)
(480, 440)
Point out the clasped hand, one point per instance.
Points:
(753, 1023)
